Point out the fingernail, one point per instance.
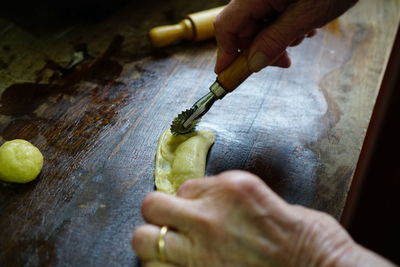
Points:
(258, 61)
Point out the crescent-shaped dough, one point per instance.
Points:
(180, 158)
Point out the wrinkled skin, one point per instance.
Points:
(268, 27)
(234, 219)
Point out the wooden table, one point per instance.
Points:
(94, 97)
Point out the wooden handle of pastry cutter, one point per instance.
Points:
(195, 27)
(236, 73)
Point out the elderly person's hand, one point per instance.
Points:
(234, 219)
(269, 27)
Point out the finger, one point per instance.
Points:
(272, 41)
(312, 33)
(246, 35)
(238, 14)
(226, 34)
(283, 61)
(242, 41)
(297, 41)
(236, 19)
(145, 243)
(194, 188)
(162, 209)
(228, 42)
(157, 264)
(223, 60)
(267, 47)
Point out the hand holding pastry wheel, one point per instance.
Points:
(227, 81)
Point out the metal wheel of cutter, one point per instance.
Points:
(187, 121)
(227, 81)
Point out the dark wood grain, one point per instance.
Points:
(94, 97)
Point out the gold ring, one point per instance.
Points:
(161, 244)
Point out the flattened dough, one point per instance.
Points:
(180, 158)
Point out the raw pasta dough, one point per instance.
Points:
(180, 158)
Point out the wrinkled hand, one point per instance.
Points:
(269, 27)
(234, 219)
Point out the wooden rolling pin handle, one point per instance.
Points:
(195, 27)
(236, 73)
(203, 23)
(169, 34)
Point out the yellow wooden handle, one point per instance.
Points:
(169, 34)
(203, 22)
(236, 73)
(196, 27)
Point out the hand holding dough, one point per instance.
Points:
(180, 158)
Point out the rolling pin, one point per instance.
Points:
(194, 27)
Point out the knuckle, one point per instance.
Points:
(187, 185)
(239, 182)
(315, 222)
(235, 174)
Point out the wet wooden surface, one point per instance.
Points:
(94, 97)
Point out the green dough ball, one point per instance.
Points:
(20, 161)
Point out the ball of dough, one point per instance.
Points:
(20, 161)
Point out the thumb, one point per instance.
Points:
(271, 42)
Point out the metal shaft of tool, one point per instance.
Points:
(205, 103)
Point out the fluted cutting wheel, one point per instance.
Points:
(177, 127)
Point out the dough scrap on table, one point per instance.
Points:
(20, 161)
(180, 158)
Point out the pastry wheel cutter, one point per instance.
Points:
(227, 81)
